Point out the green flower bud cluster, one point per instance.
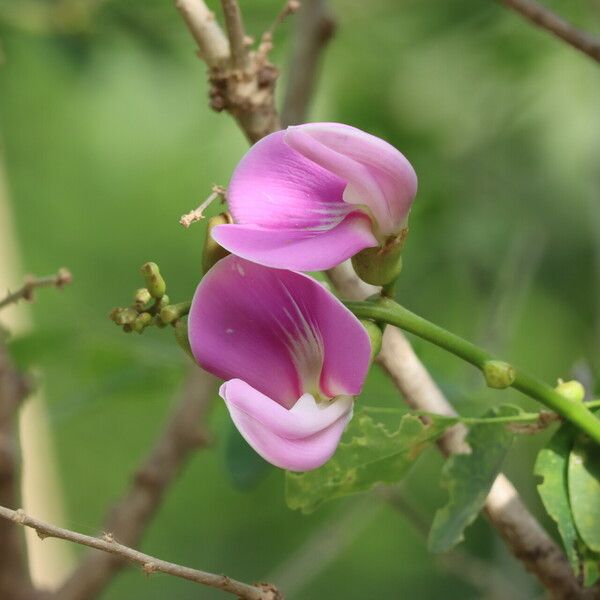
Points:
(151, 306)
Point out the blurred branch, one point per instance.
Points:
(183, 434)
(246, 91)
(546, 19)
(212, 42)
(524, 536)
(62, 278)
(14, 579)
(314, 28)
(149, 564)
(236, 33)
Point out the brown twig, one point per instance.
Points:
(236, 34)
(14, 581)
(544, 18)
(314, 28)
(212, 42)
(183, 434)
(246, 92)
(148, 563)
(25, 292)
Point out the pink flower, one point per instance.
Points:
(311, 196)
(291, 354)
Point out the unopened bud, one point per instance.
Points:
(375, 336)
(123, 316)
(154, 282)
(212, 251)
(572, 390)
(141, 298)
(164, 301)
(381, 265)
(499, 374)
(142, 321)
(170, 314)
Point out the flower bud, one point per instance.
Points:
(170, 314)
(381, 265)
(154, 281)
(213, 251)
(123, 316)
(572, 390)
(141, 298)
(142, 321)
(498, 374)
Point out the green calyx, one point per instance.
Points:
(381, 265)
(375, 336)
(212, 251)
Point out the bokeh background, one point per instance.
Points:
(107, 139)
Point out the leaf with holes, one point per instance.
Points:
(468, 479)
(368, 454)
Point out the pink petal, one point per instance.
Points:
(297, 249)
(300, 439)
(377, 174)
(275, 187)
(280, 331)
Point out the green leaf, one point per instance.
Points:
(368, 454)
(468, 479)
(584, 490)
(246, 468)
(552, 465)
(590, 563)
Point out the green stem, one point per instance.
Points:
(388, 311)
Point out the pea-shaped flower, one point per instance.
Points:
(291, 354)
(309, 197)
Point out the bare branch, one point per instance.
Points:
(236, 33)
(14, 580)
(148, 563)
(212, 43)
(60, 279)
(524, 536)
(183, 434)
(246, 92)
(544, 18)
(314, 28)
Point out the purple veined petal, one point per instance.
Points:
(378, 175)
(280, 331)
(298, 250)
(275, 187)
(300, 439)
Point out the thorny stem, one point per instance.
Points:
(148, 563)
(25, 292)
(387, 311)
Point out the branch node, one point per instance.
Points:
(20, 516)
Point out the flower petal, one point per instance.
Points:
(299, 439)
(377, 174)
(299, 250)
(280, 331)
(275, 187)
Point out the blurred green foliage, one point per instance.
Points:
(107, 140)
